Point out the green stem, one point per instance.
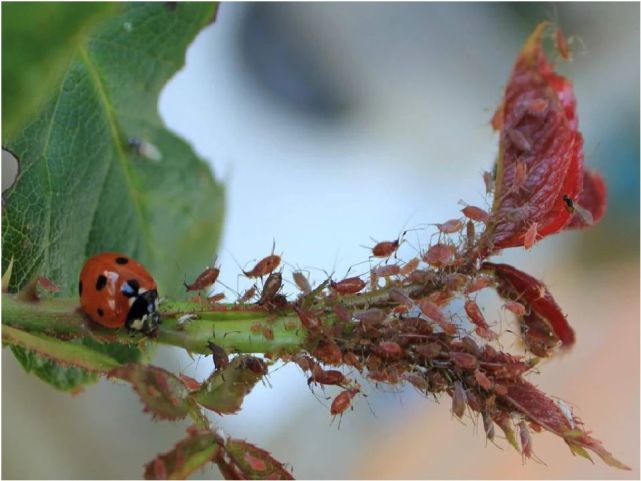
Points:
(229, 326)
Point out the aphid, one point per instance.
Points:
(255, 365)
(390, 350)
(205, 279)
(454, 281)
(264, 266)
(562, 45)
(451, 226)
(573, 207)
(302, 283)
(433, 312)
(341, 312)
(515, 307)
(184, 319)
(475, 213)
(387, 270)
(459, 399)
(463, 360)
(328, 352)
(410, 266)
(268, 333)
(538, 107)
(216, 297)
(519, 140)
(526, 439)
(470, 234)
(247, 295)
(428, 351)
(473, 311)
(530, 236)
(440, 255)
(397, 295)
(272, 285)
(116, 291)
(478, 283)
(351, 359)
(488, 425)
(327, 377)
(385, 248)
(221, 359)
(308, 319)
(47, 284)
(567, 412)
(344, 400)
(145, 149)
(497, 118)
(351, 285)
(488, 179)
(370, 316)
(520, 174)
(306, 363)
(483, 380)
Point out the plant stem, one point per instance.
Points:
(229, 326)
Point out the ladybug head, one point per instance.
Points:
(143, 316)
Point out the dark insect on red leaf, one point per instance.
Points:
(540, 152)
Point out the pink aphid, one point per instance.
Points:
(515, 307)
(483, 380)
(351, 285)
(433, 312)
(410, 266)
(526, 440)
(385, 248)
(302, 283)
(563, 46)
(489, 181)
(478, 284)
(519, 140)
(473, 311)
(459, 399)
(451, 226)
(520, 174)
(475, 213)
(387, 270)
(440, 255)
(530, 236)
(538, 107)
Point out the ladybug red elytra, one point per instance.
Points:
(117, 291)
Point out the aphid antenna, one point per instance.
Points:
(228, 288)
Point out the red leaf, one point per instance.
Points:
(540, 409)
(544, 316)
(163, 394)
(540, 152)
(190, 454)
(592, 199)
(253, 462)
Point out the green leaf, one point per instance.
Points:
(65, 378)
(190, 454)
(39, 39)
(163, 394)
(83, 189)
(62, 352)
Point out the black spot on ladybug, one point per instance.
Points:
(101, 312)
(121, 260)
(80, 288)
(130, 288)
(100, 282)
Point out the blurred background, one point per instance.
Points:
(336, 124)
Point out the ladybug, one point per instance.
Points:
(117, 291)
